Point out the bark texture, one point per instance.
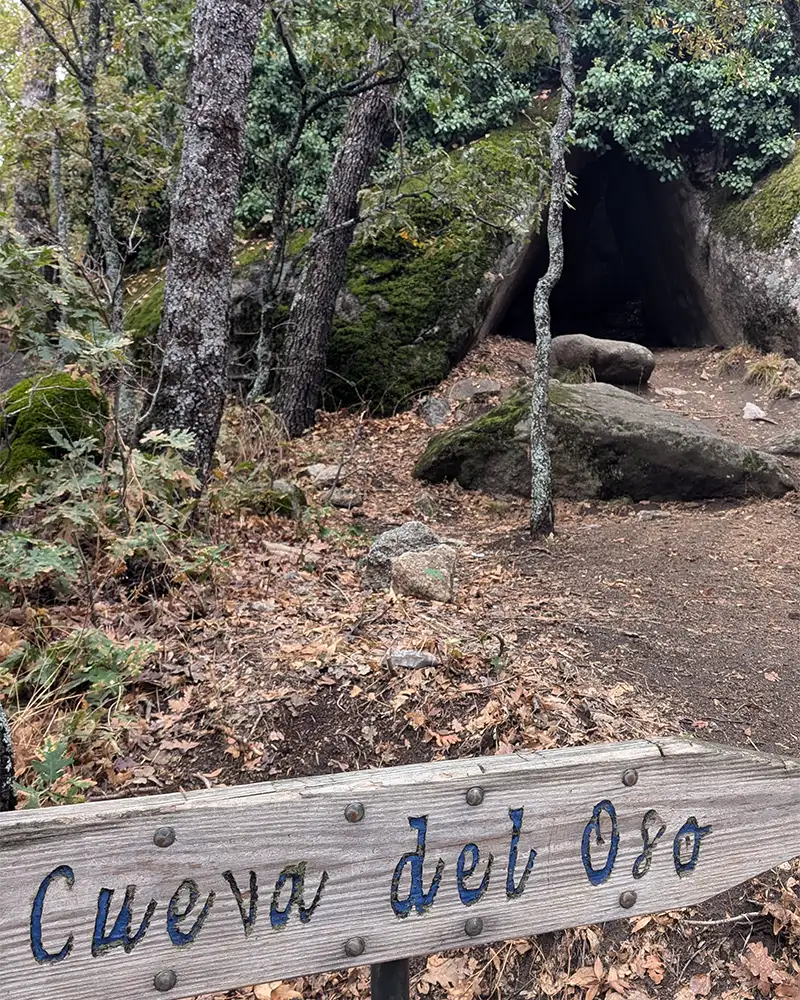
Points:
(542, 515)
(59, 194)
(302, 368)
(8, 798)
(194, 333)
(32, 180)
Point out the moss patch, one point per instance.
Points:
(71, 407)
(451, 455)
(765, 217)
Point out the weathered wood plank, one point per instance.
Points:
(726, 815)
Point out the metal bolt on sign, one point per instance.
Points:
(630, 777)
(165, 981)
(627, 899)
(354, 812)
(164, 836)
(354, 947)
(475, 796)
(473, 927)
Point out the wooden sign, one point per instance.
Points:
(189, 894)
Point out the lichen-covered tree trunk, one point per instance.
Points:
(32, 175)
(302, 365)
(194, 335)
(542, 520)
(8, 798)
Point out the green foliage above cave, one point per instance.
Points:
(708, 90)
(765, 217)
(42, 416)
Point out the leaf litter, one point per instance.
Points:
(278, 667)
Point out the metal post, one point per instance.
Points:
(389, 980)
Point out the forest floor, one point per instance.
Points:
(636, 620)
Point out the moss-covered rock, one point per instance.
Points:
(408, 313)
(764, 218)
(36, 409)
(604, 443)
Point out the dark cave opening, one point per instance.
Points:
(628, 247)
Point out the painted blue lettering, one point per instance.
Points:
(464, 871)
(40, 953)
(174, 916)
(689, 835)
(599, 875)
(514, 889)
(417, 898)
(249, 915)
(641, 866)
(297, 875)
(120, 933)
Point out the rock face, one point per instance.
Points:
(413, 536)
(8, 797)
(605, 443)
(428, 574)
(616, 361)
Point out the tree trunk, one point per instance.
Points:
(305, 346)
(194, 333)
(8, 797)
(59, 194)
(542, 513)
(32, 180)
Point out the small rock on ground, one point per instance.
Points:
(325, 475)
(429, 574)
(474, 389)
(786, 444)
(434, 410)
(344, 498)
(409, 537)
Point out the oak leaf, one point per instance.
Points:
(761, 966)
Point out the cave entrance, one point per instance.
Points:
(628, 249)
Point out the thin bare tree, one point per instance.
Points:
(542, 520)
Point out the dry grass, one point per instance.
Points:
(252, 435)
(575, 376)
(773, 373)
(735, 358)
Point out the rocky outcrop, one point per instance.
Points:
(745, 255)
(412, 305)
(618, 362)
(604, 443)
